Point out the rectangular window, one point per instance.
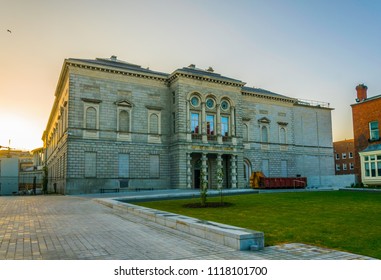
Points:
(195, 123)
(344, 166)
(124, 165)
(283, 168)
(344, 155)
(367, 172)
(90, 164)
(338, 167)
(210, 124)
(265, 167)
(337, 156)
(373, 169)
(174, 122)
(350, 155)
(154, 166)
(351, 166)
(374, 133)
(225, 126)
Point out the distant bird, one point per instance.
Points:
(9, 31)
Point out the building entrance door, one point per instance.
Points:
(197, 174)
(197, 178)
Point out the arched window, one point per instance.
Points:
(91, 118)
(282, 135)
(246, 172)
(124, 121)
(154, 124)
(245, 132)
(227, 118)
(265, 134)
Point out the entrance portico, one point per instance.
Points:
(217, 169)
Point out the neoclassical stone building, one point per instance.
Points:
(117, 125)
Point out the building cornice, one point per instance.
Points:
(269, 97)
(118, 71)
(222, 81)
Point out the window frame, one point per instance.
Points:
(374, 133)
(211, 130)
(225, 126)
(265, 128)
(192, 122)
(154, 174)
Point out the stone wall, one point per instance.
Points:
(83, 157)
(331, 181)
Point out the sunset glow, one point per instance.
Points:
(316, 50)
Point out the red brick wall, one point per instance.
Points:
(363, 113)
(347, 147)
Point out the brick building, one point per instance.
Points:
(366, 114)
(118, 125)
(344, 157)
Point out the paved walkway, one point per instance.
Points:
(68, 227)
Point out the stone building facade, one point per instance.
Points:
(366, 115)
(117, 125)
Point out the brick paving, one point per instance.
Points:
(66, 227)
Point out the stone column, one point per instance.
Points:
(189, 171)
(220, 174)
(203, 123)
(188, 123)
(218, 124)
(204, 170)
(232, 122)
(233, 171)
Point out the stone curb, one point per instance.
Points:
(231, 236)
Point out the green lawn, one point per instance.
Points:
(348, 221)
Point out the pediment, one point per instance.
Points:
(264, 120)
(124, 103)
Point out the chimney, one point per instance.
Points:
(361, 92)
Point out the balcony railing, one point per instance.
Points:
(196, 136)
(212, 138)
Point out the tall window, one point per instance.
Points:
(282, 135)
(174, 123)
(374, 132)
(265, 134)
(154, 166)
(91, 118)
(210, 124)
(154, 124)
(225, 126)
(90, 164)
(245, 133)
(195, 123)
(124, 165)
(124, 121)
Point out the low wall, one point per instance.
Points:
(231, 236)
(331, 181)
